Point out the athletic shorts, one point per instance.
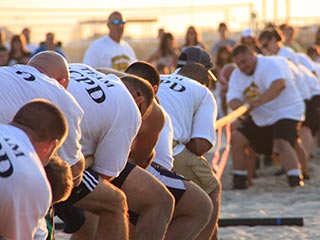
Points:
(118, 181)
(196, 169)
(171, 180)
(73, 217)
(313, 114)
(261, 138)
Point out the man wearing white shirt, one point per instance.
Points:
(26, 145)
(111, 51)
(193, 111)
(276, 108)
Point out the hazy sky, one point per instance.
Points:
(40, 20)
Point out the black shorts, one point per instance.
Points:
(312, 120)
(73, 217)
(261, 138)
(118, 181)
(171, 180)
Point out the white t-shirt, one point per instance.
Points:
(105, 52)
(299, 78)
(305, 60)
(312, 80)
(287, 105)
(191, 106)
(21, 83)
(289, 54)
(164, 152)
(25, 193)
(111, 117)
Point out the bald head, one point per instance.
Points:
(52, 64)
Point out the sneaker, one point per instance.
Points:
(295, 181)
(240, 182)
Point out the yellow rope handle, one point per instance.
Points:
(232, 116)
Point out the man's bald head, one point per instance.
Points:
(52, 64)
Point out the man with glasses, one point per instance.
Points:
(110, 50)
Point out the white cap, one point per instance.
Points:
(247, 33)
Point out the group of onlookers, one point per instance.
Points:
(20, 48)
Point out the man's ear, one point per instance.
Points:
(139, 99)
(63, 82)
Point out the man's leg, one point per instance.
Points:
(151, 201)
(109, 204)
(198, 170)
(193, 207)
(284, 138)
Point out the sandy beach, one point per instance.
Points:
(269, 197)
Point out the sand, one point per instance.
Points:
(269, 197)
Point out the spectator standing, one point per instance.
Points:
(166, 53)
(4, 56)
(289, 37)
(193, 38)
(30, 46)
(249, 39)
(18, 52)
(111, 51)
(50, 44)
(223, 39)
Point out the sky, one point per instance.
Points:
(15, 16)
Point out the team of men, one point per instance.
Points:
(131, 144)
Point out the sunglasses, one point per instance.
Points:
(117, 22)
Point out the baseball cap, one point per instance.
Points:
(196, 55)
(247, 33)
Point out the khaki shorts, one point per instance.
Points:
(196, 169)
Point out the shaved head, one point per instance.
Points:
(52, 64)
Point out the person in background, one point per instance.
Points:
(317, 37)
(18, 53)
(193, 38)
(111, 50)
(224, 39)
(50, 44)
(314, 53)
(289, 37)
(3, 38)
(222, 58)
(166, 53)
(4, 56)
(248, 38)
(26, 33)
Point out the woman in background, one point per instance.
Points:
(166, 55)
(18, 51)
(193, 38)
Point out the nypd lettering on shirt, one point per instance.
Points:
(6, 168)
(173, 83)
(85, 76)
